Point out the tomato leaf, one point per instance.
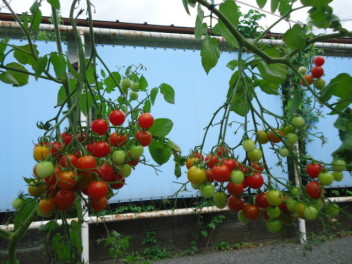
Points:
(54, 3)
(274, 5)
(268, 87)
(86, 103)
(168, 92)
(61, 247)
(59, 63)
(284, 7)
(8, 78)
(210, 53)
(153, 93)
(36, 20)
(75, 235)
(200, 28)
(232, 64)
(320, 16)
(143, 84)
(296, 37)
(261, 3)
(23, 54)
(112, 81)
(19, 73)
(40, 66)
(161, 127)
(147, 106)
(24, 212)
(160, 151)
(50, 226)
(294, 104)
(340, 86)
(315, 3)
(185, 5)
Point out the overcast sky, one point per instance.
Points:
(167, 12)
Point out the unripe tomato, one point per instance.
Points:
(196, 175)
(41, 152)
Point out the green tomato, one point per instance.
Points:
(17, 203)
(287, 129)
(292, 138)
(274, 197)
(338, 165)
(237, 176)
(220, 199)
(310, 212)
(45, 169)
(332, 209)
(298, 121)
(126, 83)
(125, 170)
(248, 145)
(273, 212)
(326, 178)
(318, 203)
(302, 70)
(255, 155)
(135, 151)
(274, 225)
(295, 191)
(320, 83)
(242, 218)
(133, 96)
(207, 190)
(135, 86)
(291, 204)
(338, 175)
(284, 152)
(119, 157)
(196, 186)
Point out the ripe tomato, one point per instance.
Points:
(53, 178)
(117, 117)
(46, 206)
(234, 203)
(222, 151)
(99, 204)
(67, 180)
(100, 126)
(196, 175)
(314, 189)
(232, 164)
(255, 180)
(210, 176)
(41, 152)
(275, 136)
(317, 72)
(67, 138)
(261, 201)
(144, 138)
(211, 160)
(314, 169)
(191, 161)
(235, 189)
(145, 120)
(97, 189)
(86, 163)
(64, 199)
(106, 172)
(100, 149)
(221, 173)
(257, 167)
(118, 182)
(85, 178)
(251, 211)
(117, 140)
(319, 61)
(68, 161)
(309, 79)
(56, 147)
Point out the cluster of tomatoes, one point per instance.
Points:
(93, 163)
(221, 177)
(316, 73)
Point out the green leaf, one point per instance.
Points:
(153, 93)
(274, 5)
(86, 103)
(3, 45)
(61, 96)
(8, 78)
(36, 20)
(61, 247)
(315, 3)
(200, 28)
(160, 151)
(59, 63)
(210, 53)
(284, 7)
(230, 9)
(54, 3)
(296, 38)
(275, 73)
(168, 93)
(261, 3)
(20, 76)
(161, 127)
(143, 83)
(185, 5)
(232, 64)
(296, 102)
(340, 86)
(40, 66)
(147, 106)
(50, 226)
(268, 87)
(110, 83)
(91, 74)
(23, 54)
(24, 212)
(221, 29)
(240, 104)
(320, 16)
(75, 235)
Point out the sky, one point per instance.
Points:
(167, 12)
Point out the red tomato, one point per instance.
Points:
(257, 167)
(314, 189)
(251, 211)
(211, 160)
(118, 140)
(210, 175)
(144, 138)
(106, 172)
(55, 148)
(119, 182)
(64, 199)
(221, 173)
(46, 206)
(117, 117)
(145, 120)
(261, 201)
(53, 178)
(100, 149)
(314, 169)
(86, 163)
(67, 138)
(100, 126)
(231, 163)
(319, 61)
(317, 72)
(234, 203)
(222, 151)
(100, 204)
(97, 189)
(68, 161)
(67, 180)
(255, 180)
(235, 189)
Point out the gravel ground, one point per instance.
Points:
(337, 251)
